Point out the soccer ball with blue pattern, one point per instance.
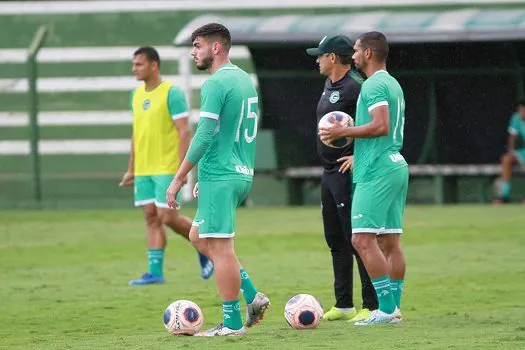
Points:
(330, 119)
(183, 317)
(303, 311)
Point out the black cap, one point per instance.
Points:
(338, 44)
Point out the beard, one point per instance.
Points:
(205, 63)
(360, 66)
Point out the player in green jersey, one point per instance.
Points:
(380, 175)
(515, 152)
(224, 149)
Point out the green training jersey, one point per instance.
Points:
(230, 97)
(377, 156)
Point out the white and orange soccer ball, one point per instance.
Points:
(183, 317)
(303, 311)
(330, 119)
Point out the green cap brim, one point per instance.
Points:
(314, 51)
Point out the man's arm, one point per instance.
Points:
(178, 109)
(213, 96)
(183, 127)
(128, 177)
(131, 161)
(374, 97)
(379, 126)
(198, 146)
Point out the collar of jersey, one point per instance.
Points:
(226, 66)
(380, 71)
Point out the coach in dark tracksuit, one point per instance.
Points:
(341, 90)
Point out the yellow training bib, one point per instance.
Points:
(155, 137)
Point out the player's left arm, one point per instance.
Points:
(179, 114)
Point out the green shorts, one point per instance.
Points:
(378, 206)
(152, 189)
(217, 207)
(519, 154)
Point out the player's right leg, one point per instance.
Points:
(389, 240)
(156, 237)
(369, 210)
(216, 216)
(507, 162)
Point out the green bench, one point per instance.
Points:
(445, 179)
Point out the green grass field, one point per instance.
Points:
(64, 281)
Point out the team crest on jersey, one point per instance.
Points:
(334, 97)
(146, 104)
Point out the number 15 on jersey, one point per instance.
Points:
(249, 115)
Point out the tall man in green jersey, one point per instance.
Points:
(224, 149)
(380, 175)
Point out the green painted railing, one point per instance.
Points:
(32, 76)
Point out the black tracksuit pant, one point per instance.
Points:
(336, 201)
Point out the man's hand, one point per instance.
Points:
(196, 190)
(171, 193)
(128, 179)
(348, 164)
(328, 135)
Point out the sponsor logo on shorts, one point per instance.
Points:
(396, 157)
(341, 205)
(241, 169)
(357, 216)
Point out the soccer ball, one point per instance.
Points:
(337, 117)
(183, 317)
(303, 311)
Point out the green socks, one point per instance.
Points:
(384, 293)
(505, 189)
(397, 289)
(232, 314)
(247, 288)
(156, 262)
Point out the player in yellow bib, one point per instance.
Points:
(161, 136)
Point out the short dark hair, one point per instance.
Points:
(521, 103)
(345, 59)
(151, 54)
(376, 41)
(214, 30)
